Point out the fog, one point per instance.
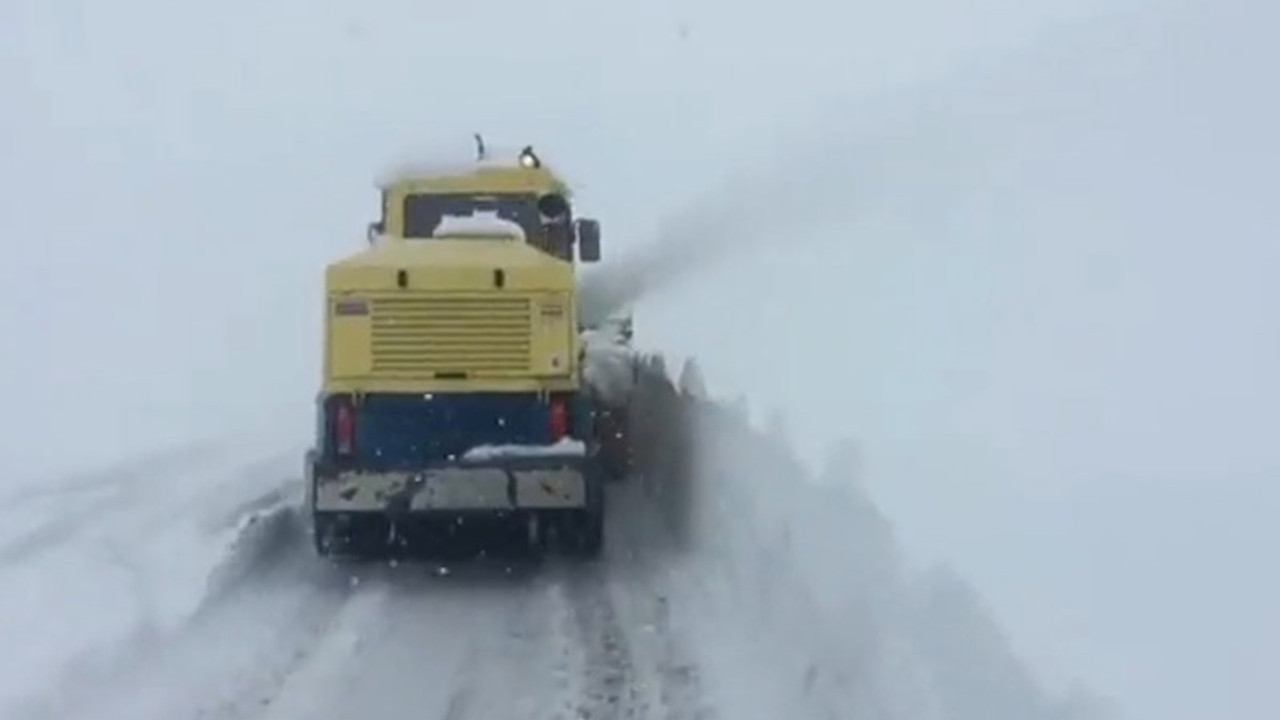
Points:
(1035, 290)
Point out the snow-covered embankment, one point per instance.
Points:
(795, 594)
(100, 571)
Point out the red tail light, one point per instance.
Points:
(559, 419)
(344, 428)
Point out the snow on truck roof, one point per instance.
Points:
(497, 168)
(423, 169)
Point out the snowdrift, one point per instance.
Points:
(107, 569)
(803, 576)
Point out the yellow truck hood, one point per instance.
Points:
(450, 264)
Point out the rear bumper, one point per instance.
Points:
(545, 482)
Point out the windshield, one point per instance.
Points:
(423, 213)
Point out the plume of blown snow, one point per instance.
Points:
(802, 194)
(609, 368)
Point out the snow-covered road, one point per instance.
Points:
(502, 640)
(183, 586)
(277, 633)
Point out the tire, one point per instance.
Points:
(586, 534)
(322, 535)
(346, 539)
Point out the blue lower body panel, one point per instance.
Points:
(477, 451)
(415, 458)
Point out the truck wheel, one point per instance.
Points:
(338, 538)
(323, 535)
(586, 534)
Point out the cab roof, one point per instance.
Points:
(501, 175)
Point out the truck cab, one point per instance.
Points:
(416, 203)
(452, 386)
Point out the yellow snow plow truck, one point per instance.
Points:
(453, 395)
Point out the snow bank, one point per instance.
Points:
(811, 567)
(110, 561)
(795, 591)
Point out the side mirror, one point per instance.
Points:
(372, 232)
(588, 231)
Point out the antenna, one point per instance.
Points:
(480, 150)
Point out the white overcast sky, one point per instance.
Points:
(1041, 297)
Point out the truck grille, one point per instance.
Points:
(434, 334)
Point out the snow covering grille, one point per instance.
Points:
(434, 334)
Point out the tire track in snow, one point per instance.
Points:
(646, 559)
(674, 680)
(624, 657)
(619, 659)
(115, 473)
(472, 643)
(609, 685)
(547, 641)
(146, 499)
